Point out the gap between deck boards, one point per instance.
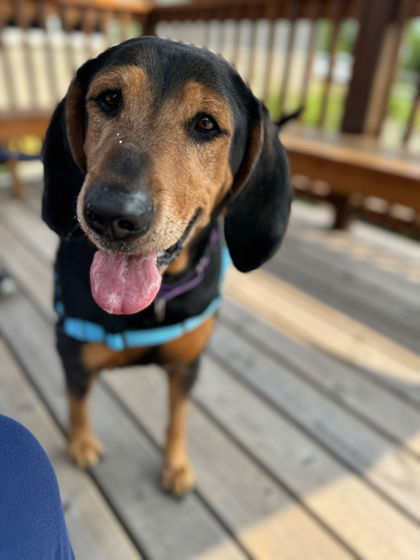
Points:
(307, 319)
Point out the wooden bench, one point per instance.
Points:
(351, 169)
(17, 125)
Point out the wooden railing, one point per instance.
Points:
(339, 59)
(42, 42)
(275, 45)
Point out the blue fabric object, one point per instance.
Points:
(6, 155)
(32, 525)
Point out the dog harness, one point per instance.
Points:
(182, 304)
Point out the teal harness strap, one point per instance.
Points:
(86, 331)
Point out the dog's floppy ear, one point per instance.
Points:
(64, 158)
(258, 212)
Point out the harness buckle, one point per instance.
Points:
(159, 306)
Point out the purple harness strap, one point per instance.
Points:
(172, 290)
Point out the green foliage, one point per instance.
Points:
(399, 103)
(346, 37)
(411, 50)
(398, 107)
(313, 105)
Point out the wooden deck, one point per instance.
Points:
(305, 426)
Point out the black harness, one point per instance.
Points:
(182, 304)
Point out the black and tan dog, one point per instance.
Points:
(154, 143)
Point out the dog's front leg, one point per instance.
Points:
(180, 359)
(178, 474)
(84, 447)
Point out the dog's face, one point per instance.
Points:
(156, 136)
(161, 148)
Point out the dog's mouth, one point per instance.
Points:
(164, 258)
(126, 284)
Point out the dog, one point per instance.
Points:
(155, 145)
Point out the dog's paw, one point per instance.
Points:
(178, 480)
(85, 450)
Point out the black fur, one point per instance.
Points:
(256, 208)
(258, 214)
(191, 376)
(259, 207)
(78, 378)
(62, 179)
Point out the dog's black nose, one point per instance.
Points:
(117, 215)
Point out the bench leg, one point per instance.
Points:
(344, 211)
(17, 185)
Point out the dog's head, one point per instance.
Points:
(152, 140)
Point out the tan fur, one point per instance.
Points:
(84, 448)
(179, 264)
(254, 146)
(184, 176)
(96, 356)
(74, 115)
(178, 475)
(188, 347)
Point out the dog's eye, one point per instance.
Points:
(204, 127)
(109, 101)
(205, 124)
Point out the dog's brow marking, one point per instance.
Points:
(197, 97)
(205, 174)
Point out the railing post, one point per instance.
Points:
(374, 23)
(386, 70)
(149, 25)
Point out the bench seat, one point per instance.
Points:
(353, 165)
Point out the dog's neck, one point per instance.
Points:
(180, 264)
(190, 254)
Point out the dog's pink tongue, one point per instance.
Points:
(124, 284)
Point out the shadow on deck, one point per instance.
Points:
(305, 425)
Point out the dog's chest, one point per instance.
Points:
(175, 309)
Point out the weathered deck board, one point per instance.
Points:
(304, 318)
(353, 262)
(317, 218)
(368, 302)
(306, 445)
(128, 477)
(268, 521)
(369, 255)
(361, 277)
(394, 471)
(94, 531)
(21, 221)
(356, 390)
(31, 272)
(345, 504)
